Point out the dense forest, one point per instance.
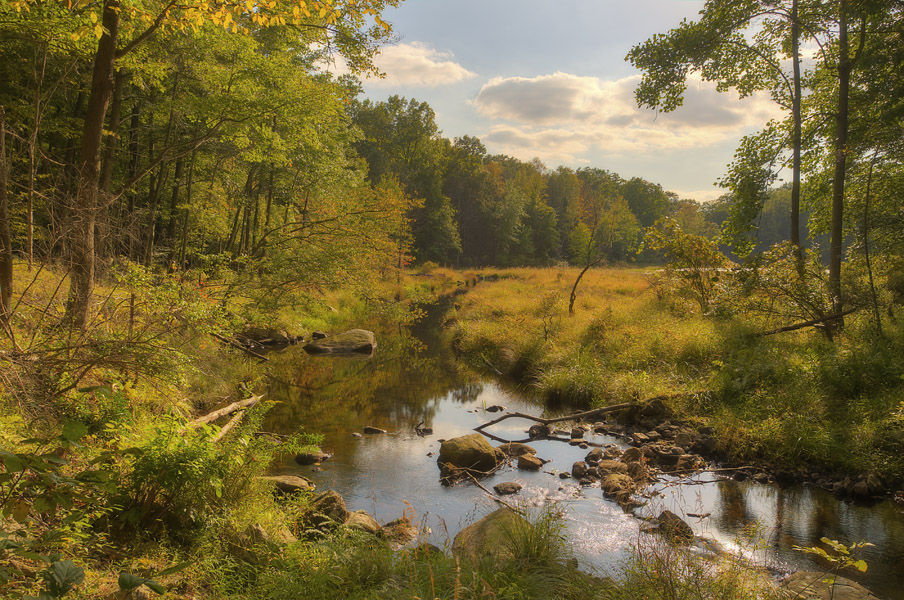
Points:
(181, 180)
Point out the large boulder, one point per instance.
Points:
(327, 508)
(354, 341)
(490, 536)
(361, 521)
(472, 452)
(808, 585)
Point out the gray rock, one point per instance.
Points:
(289, 484)
(489, 537)
(495, 408)
(808, 585)
(632, 455)
(674, 528)
(579, 470)
(608, 467)
(683, 439)
(327, 508)
(373, 430)
(507, 487)
(618, 486)
(312, 458)
(354, 341)
(514, 449)
(529, 462)
(594, 456)
(400, 533)
(471, 451)
(361, 521)
(538, 431)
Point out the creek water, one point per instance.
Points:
(412, 379)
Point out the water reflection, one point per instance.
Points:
(411, 379)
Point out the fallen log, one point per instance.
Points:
(810, 323)
(231, 408)
(239, 346)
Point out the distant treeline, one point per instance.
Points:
(479, 209)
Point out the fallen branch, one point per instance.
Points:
(597, 412)
(239, 346)
(811, 323)
(213, 416)
(228, 426)
(494, 496)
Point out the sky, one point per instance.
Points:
(548, 79)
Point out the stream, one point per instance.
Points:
(412, 378)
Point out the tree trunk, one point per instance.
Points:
(844, 79)
(6, 249)
(85, 206)
(796, 136)
(106, 171)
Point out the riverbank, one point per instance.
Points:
(792, 404)
(120, 481)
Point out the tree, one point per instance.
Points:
(606, 227)
(123, 25)
(736, 44)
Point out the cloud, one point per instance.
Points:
(417, 64)
(559, 116)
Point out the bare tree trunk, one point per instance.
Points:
(106, 171)
(86, 202)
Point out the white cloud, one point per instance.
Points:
(558, 116)
(417, 64)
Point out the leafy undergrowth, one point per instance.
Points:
(792, 400)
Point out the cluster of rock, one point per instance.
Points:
(648, 424)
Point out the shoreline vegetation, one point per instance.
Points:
(790, 403)
(121, 492)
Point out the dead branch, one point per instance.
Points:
(228, 426)
(495, 497)
(213, 416)
(597, 412)
(811, 323)
(237, 345)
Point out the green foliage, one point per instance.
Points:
(838, 556)
(695, 265)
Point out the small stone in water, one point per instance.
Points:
(357, 435)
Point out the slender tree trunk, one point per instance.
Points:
(86, 202)
(106, 171)
(6, 248)
(32, 166)
(796, 137)
(835, 248)
(869, 266)
(128, 222)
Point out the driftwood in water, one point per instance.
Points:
(222, 412)
(597, 412)
(239, 346)
(811, 323)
